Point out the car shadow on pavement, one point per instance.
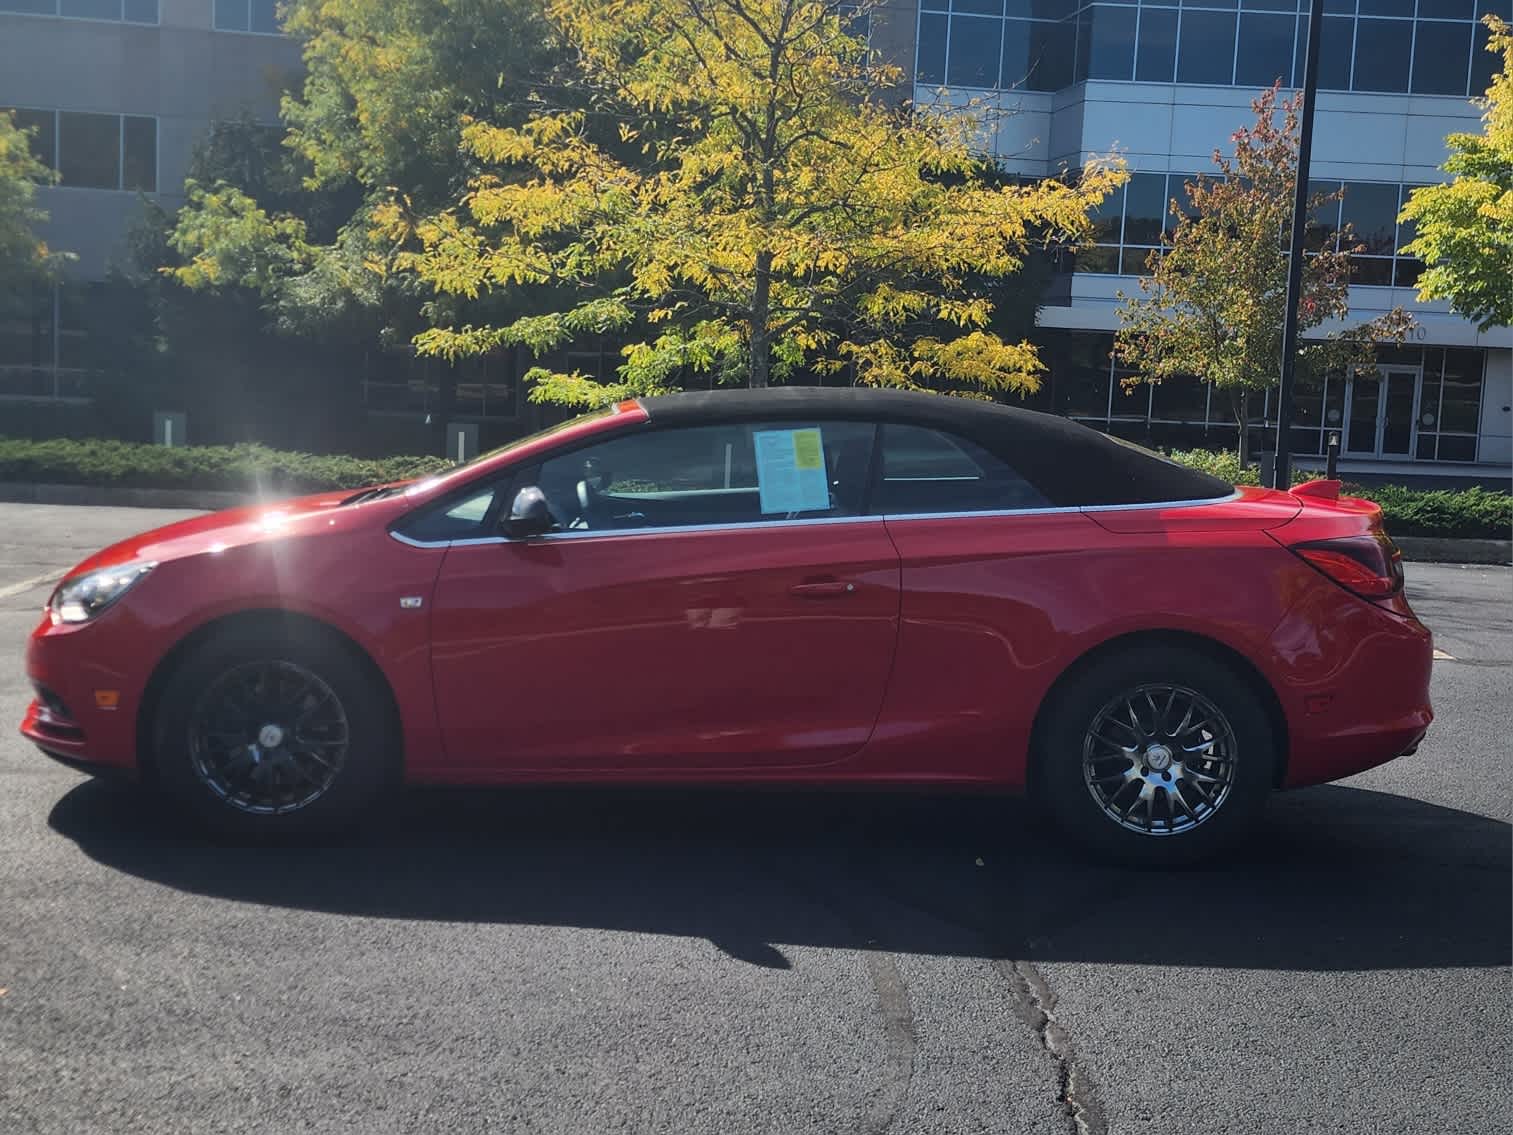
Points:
(1337, 878)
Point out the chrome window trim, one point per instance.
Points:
(658, 530)
(664, 529)
(1063, 509)
(410, 541)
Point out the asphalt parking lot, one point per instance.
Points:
(684, 962)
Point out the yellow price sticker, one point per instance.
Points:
(806, 449)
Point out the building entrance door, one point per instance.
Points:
(1381, 412)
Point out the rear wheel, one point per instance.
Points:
(1155, 755)
(273, 733)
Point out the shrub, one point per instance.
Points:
(243, 468)
(1223, 464)
(1442, 512)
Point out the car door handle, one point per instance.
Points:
(830, 588)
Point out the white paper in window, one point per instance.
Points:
(791, 470)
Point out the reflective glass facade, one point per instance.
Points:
(1422, 403)
(1432, 47)
(1129, 224)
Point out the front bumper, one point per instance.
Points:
(89, 681)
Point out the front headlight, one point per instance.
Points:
(83, 597)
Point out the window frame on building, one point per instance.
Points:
(58, 11)
(1105, 41)
(55, 154)
(273, 26)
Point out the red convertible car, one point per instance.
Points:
(798, 586)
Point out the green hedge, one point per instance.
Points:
(1476, 512)
(254, 468)
(242, 468)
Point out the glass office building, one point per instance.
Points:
(116, 94)
(1165, 83)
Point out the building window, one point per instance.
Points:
(1128, 227)
(260, 16)
(44, 341)
(976, 45)
(1443, 386)
(1106, 42)
(42, 126)
(89, 150)
(1336, 46)
(1383, 55)
(128, 11)
(1265, 52)
(1206, 48)
(1435, 47)
(1438, 51)
(95, 151)
(405, 383)
(139, 153)
(930, 61)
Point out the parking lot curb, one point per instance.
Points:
(25, 492)
(1440, 550)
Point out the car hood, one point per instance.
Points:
(317, 514)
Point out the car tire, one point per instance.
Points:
(1144, 781)
(272, 734)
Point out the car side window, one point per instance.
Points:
(452, 520)
(731, 473)
(927, 471)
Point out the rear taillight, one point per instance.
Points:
(1368, 566)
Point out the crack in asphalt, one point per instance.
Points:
(900, 1041)
(899, 1037)
(1036, 1003)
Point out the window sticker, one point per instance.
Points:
(791, 470)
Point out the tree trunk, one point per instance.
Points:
(761, 345)
(1242, 418)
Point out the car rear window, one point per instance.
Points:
(927, 471)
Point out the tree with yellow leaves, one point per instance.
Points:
(1465, 227)
(731, 188)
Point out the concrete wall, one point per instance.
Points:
(181, 72)
(1497, 409)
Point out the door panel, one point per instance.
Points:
(672, 649)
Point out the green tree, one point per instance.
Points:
(733, 189)
(25, 259)
(288, 216)
(1465, 227)
(1215, 298)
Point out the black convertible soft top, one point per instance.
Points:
(1070, 464)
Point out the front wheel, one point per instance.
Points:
(272, 733)
(1155, 755)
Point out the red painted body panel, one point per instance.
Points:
(671, 650)
(687, 655)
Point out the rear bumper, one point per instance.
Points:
(1358, 688)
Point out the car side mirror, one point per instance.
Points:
(529, 514)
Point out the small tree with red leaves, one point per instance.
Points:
(1214, 301)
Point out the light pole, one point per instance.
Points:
(1283, 476)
